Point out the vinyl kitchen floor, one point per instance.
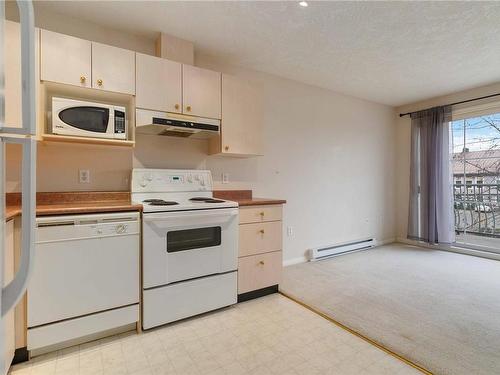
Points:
(270, 335)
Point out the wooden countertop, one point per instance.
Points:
(64, 203)
(258, 201)
(12, 212)
(73, 203)
(245, 198)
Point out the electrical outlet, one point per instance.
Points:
(225, 178)
(289, 231)
(84, 176)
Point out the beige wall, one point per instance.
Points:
(403, 145)
(331, 156)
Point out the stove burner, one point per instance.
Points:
(163, 203)
(206, 200)
(159, 202)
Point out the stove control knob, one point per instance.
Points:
(143, 183)
(197, 177)
(202, 182)
(190, 178)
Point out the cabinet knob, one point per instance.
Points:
(261, 231)
(261, 214)
(176, 106)
(99, 82)
(188, 108)
(261, 262)
(83, 79)
(226, 148)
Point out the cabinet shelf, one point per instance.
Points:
(87, 140)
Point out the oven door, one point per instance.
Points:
(184, 245)
(84, 119)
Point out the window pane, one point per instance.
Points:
(476, 173)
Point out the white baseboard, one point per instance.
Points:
(453, 249)
(303, 259)
(385, 241)
(290, 262)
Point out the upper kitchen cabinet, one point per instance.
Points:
(74, 61)
(113, 69)
(201, 94)
(242, 117)
(65, 59)
(158, 84)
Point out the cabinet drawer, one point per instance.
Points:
(260, 238)
(259, 271)
(259, 214)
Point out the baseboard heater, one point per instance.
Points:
(323, 252)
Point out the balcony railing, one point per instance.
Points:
(477, 209)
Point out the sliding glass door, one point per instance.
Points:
(476, 181)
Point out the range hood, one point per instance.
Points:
(175, 125)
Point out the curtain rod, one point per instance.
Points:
(456, 103)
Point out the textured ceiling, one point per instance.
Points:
(388, 52)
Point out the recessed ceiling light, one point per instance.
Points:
(303, 4)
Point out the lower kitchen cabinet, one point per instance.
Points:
(260, 261)
(259, 271)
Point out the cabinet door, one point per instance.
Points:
(259, 271)
(13, 89)
(65, 59)
(7, 278)
(241, 125)
(158, 84)
(260, 238)
(113, 69)
(201, 92)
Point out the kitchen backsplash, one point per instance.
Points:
(59, 164)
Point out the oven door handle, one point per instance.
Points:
(190, 214)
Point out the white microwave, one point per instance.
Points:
(88, 119)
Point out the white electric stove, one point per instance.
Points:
(190, 244)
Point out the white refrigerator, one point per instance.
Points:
(24, 136)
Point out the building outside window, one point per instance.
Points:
(476, 180)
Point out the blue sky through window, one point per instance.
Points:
(481, 133)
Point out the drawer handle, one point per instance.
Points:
(261, 262)
(261, 231)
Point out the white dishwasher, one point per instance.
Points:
(85, 277)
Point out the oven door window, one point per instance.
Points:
(92, 119)
(188, 239)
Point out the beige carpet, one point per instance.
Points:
(438, 309)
